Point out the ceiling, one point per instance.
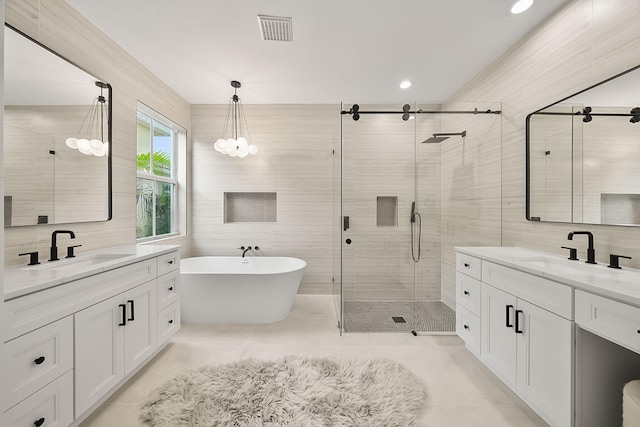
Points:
(342, 50)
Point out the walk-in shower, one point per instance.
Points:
(399, 175)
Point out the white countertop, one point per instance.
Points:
(23, 279)
(622, 285)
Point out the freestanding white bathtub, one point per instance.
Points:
(216, 289)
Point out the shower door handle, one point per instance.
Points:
(348, 241)
(345, 223)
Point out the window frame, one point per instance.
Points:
(178, 135)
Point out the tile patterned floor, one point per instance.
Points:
(461, 391)
(377, 316)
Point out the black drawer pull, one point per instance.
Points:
(465, 326)
(508, 323)
(39, 422)
(170, 321)
(132, 318)
(170, 261)
(39, 360)
(466, 292)
(466, 265)
(518, 313)
(170, 288)
(124, 315)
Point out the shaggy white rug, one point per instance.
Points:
(292, 391)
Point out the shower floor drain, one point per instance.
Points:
(398, 319)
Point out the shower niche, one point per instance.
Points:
(387, 211)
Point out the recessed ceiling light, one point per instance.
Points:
(520, 6)
(405, 84)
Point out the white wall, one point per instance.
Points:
(584, 43)
(295, 160)
(57, 25)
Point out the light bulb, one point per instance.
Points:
(242, 142)
(220, 144)
(253, 149)
(520, 6)
(232, 150)
(232, 153)
(405, 84)
(243, 151)
(72, 143)
(106, 148)
(230, 143)
(100, 152)
(95, 144)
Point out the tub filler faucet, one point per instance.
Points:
(248, 248)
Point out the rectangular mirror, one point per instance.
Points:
(57, 133)
(583, 156)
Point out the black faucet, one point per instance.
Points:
(54, 248)
(245, 251)
(591, 253)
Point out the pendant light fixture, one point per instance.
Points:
(231, 143)
(91, 139)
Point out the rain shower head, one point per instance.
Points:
(439, 137)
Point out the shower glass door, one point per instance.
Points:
(378, 193)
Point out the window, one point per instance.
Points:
(157, 182)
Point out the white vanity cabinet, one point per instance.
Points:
(71, 345)
(111, 339)
(468, 301)
(526, 333)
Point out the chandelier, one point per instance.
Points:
(230, 143)
(91, 138)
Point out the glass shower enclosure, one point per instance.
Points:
(391, 241)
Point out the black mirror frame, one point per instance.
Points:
(528, 146)
(100, 84)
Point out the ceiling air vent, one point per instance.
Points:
(277, 28)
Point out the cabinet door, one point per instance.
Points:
(544, 361)
(498, 340)
(141, 331)
(99, 343)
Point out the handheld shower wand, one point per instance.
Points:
(414, 214)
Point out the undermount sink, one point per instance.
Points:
(77, 262)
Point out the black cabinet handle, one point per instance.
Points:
(465, 326)
(39, 360)
(170, 321)
(466, 265)
(170, 288)
(518, 313)
(170, 261)
(132, 318)
(39, 422)
(465, 292)
(508, 322)
(124, 315)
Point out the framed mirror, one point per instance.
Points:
(583, 156)
(57, 134)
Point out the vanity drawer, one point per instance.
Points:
(28, 312)
(468, 293)
(50, 406)
(469, 265)
(468, 328)
(168, 289)
(552, 296)
(168, 262)
(37, 358)
(168, 322)
(613, 320)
